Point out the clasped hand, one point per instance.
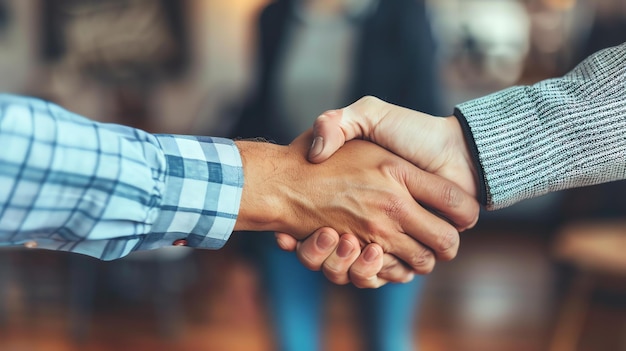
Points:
(434, 144)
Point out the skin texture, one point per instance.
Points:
(434, 144)
(362, 189)
(366, 268)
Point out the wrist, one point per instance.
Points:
(467, 161)
(469, 151)
(260, 204)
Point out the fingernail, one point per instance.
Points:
(317, 146)
(409, 278)
(325, 241)
(345, 248)
(371, 254)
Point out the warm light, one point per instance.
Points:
(560, 5)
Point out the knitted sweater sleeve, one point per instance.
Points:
(557, 134)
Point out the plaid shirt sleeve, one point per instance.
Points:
(557, 134)
(105, 190)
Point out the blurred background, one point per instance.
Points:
(546, 274)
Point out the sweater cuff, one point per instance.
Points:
(505, 132)
(471, 143)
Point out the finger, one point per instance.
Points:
(337, 265)
(335, 127)
(395, 271)
(315, 249)
(364, 271)
(286, 241)
(442, 196)
(423, 226)
(372, 269)
(415, 255)
(328, 136)
(419, 231)
(431, 231)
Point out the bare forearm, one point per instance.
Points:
(261, 204)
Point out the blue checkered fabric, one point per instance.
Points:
(105, 190)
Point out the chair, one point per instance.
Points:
(593, 248)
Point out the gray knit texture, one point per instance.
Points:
(557, 134)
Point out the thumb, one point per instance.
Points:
(334, 127)
(328, 136)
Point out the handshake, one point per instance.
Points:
(362, 213)
(399, 210)
(375, 215)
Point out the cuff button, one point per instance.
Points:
(180, 242)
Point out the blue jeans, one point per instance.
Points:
(296, 297)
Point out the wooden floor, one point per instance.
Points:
(501, 293)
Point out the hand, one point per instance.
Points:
(435, 144)
(362, 189)
(343, 262)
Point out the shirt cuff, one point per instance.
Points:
(202, 194)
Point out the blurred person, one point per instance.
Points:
(315, 54)
(515, 144)
(104, 190)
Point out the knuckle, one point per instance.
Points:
(394, 207)
(320, 121)
(427, 269)
(423, 262)
(396, 274)
(448, 244)
(469, 217)
(376, 232)
(390, 268)
(452, 196)
(326, 115)
(368, 100)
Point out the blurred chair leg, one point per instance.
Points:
(571, 319)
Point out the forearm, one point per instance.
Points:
(281, 191)
(262, 199)
(556, 134)
(105, 190)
